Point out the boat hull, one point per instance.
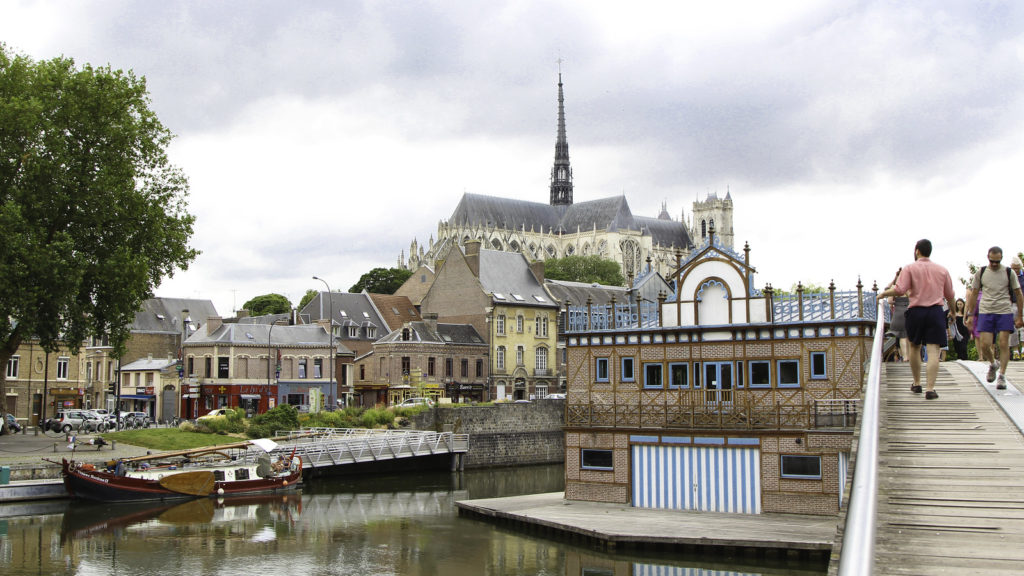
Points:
(103, 486)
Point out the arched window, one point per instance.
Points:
(703, 228)
(496, 244)
(499, 358)
(542, 358)
(519, 323)
(519, 356)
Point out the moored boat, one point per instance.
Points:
(186, 474)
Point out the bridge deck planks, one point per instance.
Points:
(951, 473)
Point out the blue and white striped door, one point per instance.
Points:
(708, 478)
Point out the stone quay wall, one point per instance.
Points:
(505, 434)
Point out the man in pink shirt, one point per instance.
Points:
(928, 284)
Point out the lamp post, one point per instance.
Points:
(330, 331)
(271, 358)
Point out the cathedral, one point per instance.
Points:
(605, 227)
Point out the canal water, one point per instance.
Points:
(403, 524)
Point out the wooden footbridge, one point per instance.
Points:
(950, 478)
(327, 447)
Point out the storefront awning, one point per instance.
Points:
(138, 396)
(250, 396)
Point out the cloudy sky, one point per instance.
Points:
(320, 138)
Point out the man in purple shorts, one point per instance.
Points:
(927, 284)
(1000, 294)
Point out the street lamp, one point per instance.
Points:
(330, 331)
(271, 358)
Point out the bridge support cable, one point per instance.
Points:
(857, 556)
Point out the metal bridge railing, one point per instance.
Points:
(334, 446)
(857, 557)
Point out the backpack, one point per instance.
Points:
(1009, 282)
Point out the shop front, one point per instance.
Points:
(253, 398)
(297, 393)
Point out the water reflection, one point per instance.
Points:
(401, 524)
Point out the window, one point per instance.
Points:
(62, 368)
(318, 368)
(479, 368)
(223, 364)
(519, 356)
(519, 323)
(464, 368)
(407, 364)
(696, 375)
(449, 367)
(541, 326)
(801, 466)
(302, 368)
(601, 370)
(405, 334)
(627, 370)
(149, 378)
(542, 391)
(542, 358)
(353, 331)
(789, 373)
(760, 374)
(499, 325)
(430, 366)
(191, 366)
(208, 365)
(362, 371)
(12, 366)
(597, 459)
(499, 358)
(819, 370)
(652, 376)
(678, 377)
(371, 331)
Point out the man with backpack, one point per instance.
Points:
(1000, 294)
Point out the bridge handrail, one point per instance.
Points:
(857, 557)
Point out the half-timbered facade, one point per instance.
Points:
(719, 397)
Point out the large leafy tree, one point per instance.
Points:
(584, 269)
(92, 214)
(268, 304)
(307, 298)
(381, 281)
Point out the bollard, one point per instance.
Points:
(113, 445)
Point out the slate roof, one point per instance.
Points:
(163, 315)
(579, 292)
(348, 309)
(266, 319)
(507, 276)
(259, 334)
(146, 364)
(445, 334)
(606, 214)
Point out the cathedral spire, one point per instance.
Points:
(561, 173)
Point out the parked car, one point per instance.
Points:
(134, 419)
(555, 396)
(12, 423)
(215, 413)
(409, 402)
(76, 420)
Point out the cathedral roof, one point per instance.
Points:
(604, 214)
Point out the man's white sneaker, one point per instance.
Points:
(1001, 384)
(992, 368)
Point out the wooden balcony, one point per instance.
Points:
(717, 409)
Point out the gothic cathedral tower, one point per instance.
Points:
(561, 173)
(713, 213)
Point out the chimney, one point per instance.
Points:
(430, 319)
(537, 267)
(473, 256)
(213, 323)
(243, 313)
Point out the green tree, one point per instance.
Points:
(310, 294)
(584, 269)
(92, 214)
(268, 304)
(381, 281)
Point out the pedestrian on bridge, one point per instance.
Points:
(1000, 294)
(927, 284)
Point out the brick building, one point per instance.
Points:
(719, 397)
